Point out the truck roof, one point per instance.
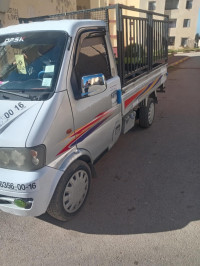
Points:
(67, 25)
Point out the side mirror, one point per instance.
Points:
(92, 85)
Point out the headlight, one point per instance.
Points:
(23, 159)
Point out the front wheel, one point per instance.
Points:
(146, 114)
(71, 191)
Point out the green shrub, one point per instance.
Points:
(135, 50)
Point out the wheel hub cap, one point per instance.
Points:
(75, 191)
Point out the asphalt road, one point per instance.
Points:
(144, 207)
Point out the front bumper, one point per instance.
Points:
(34, 188)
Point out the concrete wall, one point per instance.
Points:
(83, 4)
(98, 3)
(101, 3)
(33, 8)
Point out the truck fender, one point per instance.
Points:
(153, 95)
(78, 154)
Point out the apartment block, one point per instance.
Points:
(183, 17)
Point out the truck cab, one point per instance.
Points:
(48, 119)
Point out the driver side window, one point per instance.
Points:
(92, 59)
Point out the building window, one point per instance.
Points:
(184, 42)
(172, 23)
(189, 4)
(186, 23)
(152, 5)
(169, 4)
(171, 40)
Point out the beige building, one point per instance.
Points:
(11, 10)
(183, 22)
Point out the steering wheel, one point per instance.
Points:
(40, 74)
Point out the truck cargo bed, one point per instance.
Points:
(141, 88)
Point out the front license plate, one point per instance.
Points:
(29, 187)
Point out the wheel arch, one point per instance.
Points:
(88, 160)
(153, 95)
(79, 154)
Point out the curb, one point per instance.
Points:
(179, 61)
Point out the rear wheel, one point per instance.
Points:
(147, 113)
(71, 191)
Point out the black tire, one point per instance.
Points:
(146, 114)
(75, 179)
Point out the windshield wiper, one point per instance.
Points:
(17, 94)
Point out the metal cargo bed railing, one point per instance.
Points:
(95, 13)
(138, 37)
(142, 42)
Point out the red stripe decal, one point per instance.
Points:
(128, 101)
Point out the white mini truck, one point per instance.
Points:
(67, 92)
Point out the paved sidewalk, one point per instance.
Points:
(181, 57)
(176, 59)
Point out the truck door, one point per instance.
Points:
(97, 115)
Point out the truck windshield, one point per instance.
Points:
(30, 64)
